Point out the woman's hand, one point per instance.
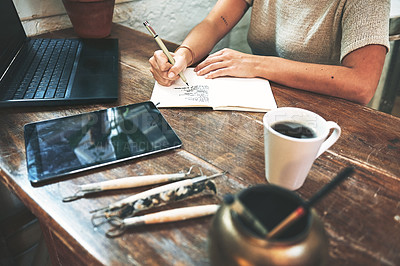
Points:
(221, 19)
(228, 62)
(163, 71)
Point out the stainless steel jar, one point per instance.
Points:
(233, 242)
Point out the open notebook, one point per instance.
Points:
(241, 94)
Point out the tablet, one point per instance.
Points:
(71, 144)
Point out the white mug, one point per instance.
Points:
(288, 159)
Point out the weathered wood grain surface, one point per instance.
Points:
(361, 217)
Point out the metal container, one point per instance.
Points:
(233, 242)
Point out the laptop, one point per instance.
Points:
(53, 71)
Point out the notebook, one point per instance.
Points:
(53, 71)
(223, 93)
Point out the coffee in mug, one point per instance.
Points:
(293, 139)
(294, 129)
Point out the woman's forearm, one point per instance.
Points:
(338, 81)
(202, 38)
(201, 41)
(356, 79)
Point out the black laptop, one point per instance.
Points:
(53, 71)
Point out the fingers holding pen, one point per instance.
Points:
(163, 71)
(160, 68)
(160, 78)
(179, 66)
(161, 61)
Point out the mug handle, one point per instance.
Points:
(332, 138)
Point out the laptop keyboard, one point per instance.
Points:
(46, 70)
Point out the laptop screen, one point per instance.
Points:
(12, 34)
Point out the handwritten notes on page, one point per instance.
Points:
(242, 94)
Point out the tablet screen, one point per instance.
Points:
(71, 144)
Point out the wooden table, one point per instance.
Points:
(361, 217)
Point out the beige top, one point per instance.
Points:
(317, 31)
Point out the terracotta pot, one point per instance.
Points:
(90, 18)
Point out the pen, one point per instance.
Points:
(163, 48)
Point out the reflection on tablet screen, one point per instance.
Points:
(71, 144)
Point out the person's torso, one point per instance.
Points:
(301, 30)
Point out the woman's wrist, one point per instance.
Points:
(265, 67)
(187, 53)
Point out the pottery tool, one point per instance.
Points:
(243, 212)
(301, 210)
(155, 197)
(179, 214)
(131, 182)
